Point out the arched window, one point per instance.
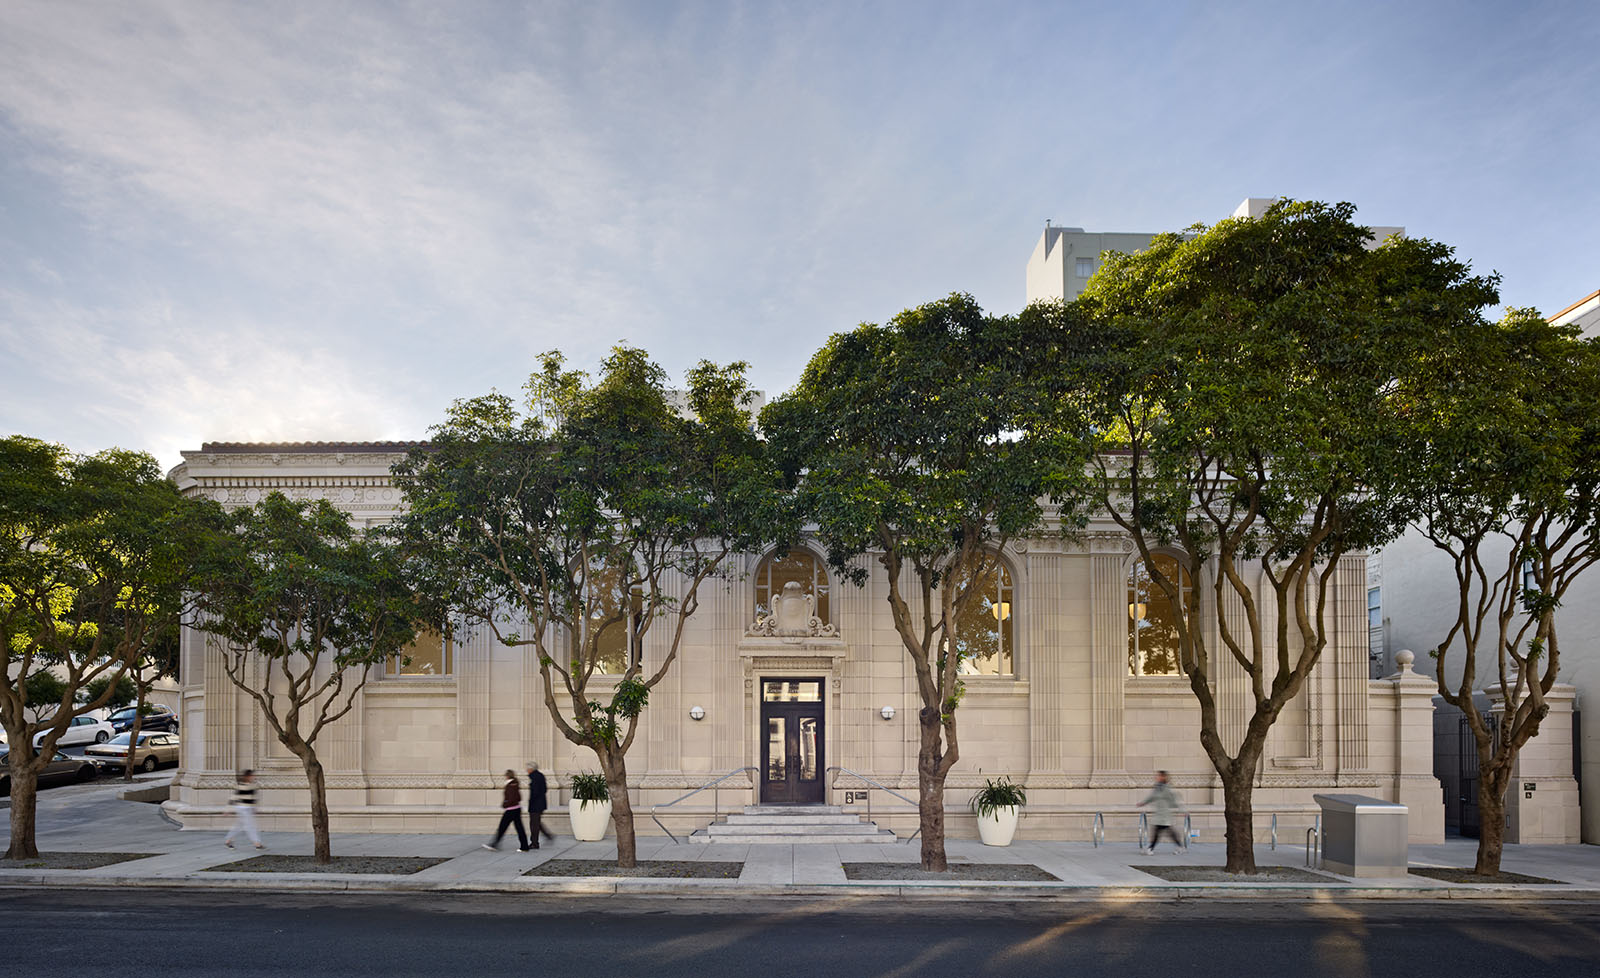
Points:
(1153, 617)
(984, 633)
(619, 641)
(800, 566)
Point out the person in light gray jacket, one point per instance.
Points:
(1164, 804)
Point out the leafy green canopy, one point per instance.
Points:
(94, 553)
(928, 444)
(1252, 390)
(294, 588)
(598, 511)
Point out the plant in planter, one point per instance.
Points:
(998, 804)
(590, 808)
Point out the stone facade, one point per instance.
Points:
(420, 753)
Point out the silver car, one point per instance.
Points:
(154, 749)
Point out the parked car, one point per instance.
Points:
(60, 770)
(153, 750)
(155, 718)
(83, 730)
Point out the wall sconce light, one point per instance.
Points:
(696, 713)
(887, 713)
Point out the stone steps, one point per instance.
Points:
(791, 825)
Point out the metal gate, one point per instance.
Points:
(1467, 778)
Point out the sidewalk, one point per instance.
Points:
(93, 820)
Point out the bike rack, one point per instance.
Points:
(1188, 830)
(1274, 831)
(1098, 830)
(716, 800)
(867, 780)
(1144, 830)
(1314, 843)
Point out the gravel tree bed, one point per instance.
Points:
(654, 868)
(1451, 875)
(74, 860)
(1216, 874)
(958, 873)
(279, 863)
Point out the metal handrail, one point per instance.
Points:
(716, 804)
(1314, 842)
(864, 778)
(1098, 829)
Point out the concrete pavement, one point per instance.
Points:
(93, 819)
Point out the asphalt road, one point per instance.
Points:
(227, 934)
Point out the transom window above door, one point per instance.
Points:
(791, 691)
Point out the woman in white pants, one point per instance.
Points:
(244, 810)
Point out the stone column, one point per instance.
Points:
(1542, 802)
(1350, 661)
(1043, 607)
(1108, 586)
(1410, 698)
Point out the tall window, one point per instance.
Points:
(430, 654)
(619, 642)
(1153, 618)
(800, 566)
(983, 632)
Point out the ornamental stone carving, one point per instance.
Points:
(793, 618)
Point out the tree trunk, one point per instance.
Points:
(930, 798)
(1491, 817)
(24, 813)
(614, 763)
(322, 840)
(1237, 814)
(133, 734)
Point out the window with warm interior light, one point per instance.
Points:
(1153, 617)
(616, 621)
(430, 654)
(984, 630)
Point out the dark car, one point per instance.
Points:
(60, 770)
(155, 718)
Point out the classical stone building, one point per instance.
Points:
(800, 678)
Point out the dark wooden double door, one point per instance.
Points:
(793, 742)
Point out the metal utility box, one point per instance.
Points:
(1363, 836)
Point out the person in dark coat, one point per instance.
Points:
(536, 806)
(510, 814)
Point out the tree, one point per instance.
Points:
(159, 658)
(914, 444)
(304, 605)
(1506, 484)
(94, 556)
(589, 521)
(1250, 381)
(122, 691)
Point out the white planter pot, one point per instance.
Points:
(589, 819)
(997, 828)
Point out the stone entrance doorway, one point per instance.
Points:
(794, 742)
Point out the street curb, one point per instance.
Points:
(722, 889)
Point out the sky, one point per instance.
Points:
(309, 221)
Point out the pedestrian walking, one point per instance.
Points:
(510, 814)
(536, 806)
(1164, 803)
(244, 810)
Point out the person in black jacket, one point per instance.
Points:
(510, 814)
(536, 806)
